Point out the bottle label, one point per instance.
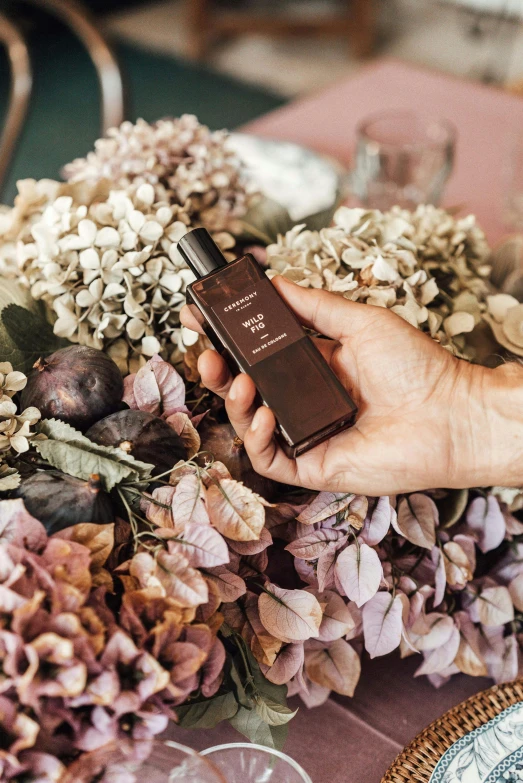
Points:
(258, 321)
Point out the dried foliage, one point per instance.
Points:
(426, 266)
(186, 163)
(107, 268)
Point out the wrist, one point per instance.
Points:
(489, 429)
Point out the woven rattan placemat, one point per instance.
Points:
(419, 759)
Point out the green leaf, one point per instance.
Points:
(279, 735)
(272, 713)
(29, 336)
(207, 714)
(238, 685)
(73, 453)
(251, 725)
(266, 220)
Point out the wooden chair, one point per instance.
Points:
(77, 19)
(208, 23)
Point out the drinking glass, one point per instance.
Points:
(402, 158)
(513, 181)
(142, 761)
(241, 762)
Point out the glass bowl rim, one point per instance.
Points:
(265, 749)
(427, 120)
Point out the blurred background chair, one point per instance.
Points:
(210, 20)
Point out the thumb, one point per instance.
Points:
(325, 312)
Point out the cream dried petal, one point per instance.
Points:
(87, 231)
(383, 271)
(135, 328)
(15, 381)
(458, 323)
(107, 237)
(151, 231)
(89, 259)
(429, 291)
(498, 305)
(189, 337)
(150, 345)
(513, 325)
(136, 220)
(145, 194)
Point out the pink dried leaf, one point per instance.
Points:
(170, 383)
(382, 624)
(431, 631)
(486, 521)
(172, 574)
(337, 667)
(324, 505)
(128, 392)
(377, 521)
(230, 585)
(516, 592)
(188, 502)
(18, 527)
(289, 615)
(212, 670)
(252, 547)
(326, 566)
(184, 427)
(417, 520)
(469, 658)
(160, 513)
(146, 392)
(440, 578)
(337, 621)
(438, 660)
(288, 663)
(359, 571)
(311, 546)
(202, 545)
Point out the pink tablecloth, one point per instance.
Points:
(484, 117)
(354, 741)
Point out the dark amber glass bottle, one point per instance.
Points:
(248, 322)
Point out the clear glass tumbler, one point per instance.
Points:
(402, 158)
(144, 761)
(241, 762)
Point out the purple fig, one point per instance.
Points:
(144, 435)
(221, 441)
(78, 385)
(59, 500)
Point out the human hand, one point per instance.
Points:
(426, 419)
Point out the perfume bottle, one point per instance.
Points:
(249, 323)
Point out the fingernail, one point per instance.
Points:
(255, 423)
(232, 392)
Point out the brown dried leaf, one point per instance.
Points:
(99, 540)
(235, 510)
(338, 667)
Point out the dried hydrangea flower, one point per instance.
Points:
(11, 381)
(106, 264)
(426, 266)
(185, 162)
(15, 432)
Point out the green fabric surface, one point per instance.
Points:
(64, 118)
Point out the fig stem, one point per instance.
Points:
(40, 364)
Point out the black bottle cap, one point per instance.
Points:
(200, 252)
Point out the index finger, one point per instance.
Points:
(188, 320)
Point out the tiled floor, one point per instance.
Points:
(432, 33)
